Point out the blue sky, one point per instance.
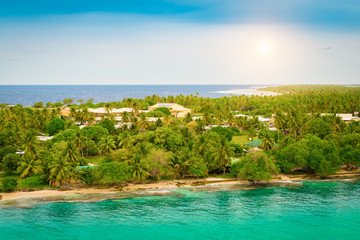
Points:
(179, 41)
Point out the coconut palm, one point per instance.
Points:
(143, 123)
(188, 118)
(124, 140)
(71, 152)
(267, 142)
(29, 166)
(73, 113)
(140, 168)
(201, 145)
(280, 122)
(106, 144)
(61, 170)
(80, 142)
(108, 108)
(175, 164)
(143, 149)
(125, 117)
(222, 153)
(295, 120)
(30, 145)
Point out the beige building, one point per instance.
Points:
(113, 111)
(176, 110)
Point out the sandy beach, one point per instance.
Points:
(160, 188)
(249, 92)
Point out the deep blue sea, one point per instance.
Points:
(27, 95)
(317, 210)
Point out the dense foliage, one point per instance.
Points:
(170, 148)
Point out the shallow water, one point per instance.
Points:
(318, 210)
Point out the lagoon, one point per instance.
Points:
(317, 210)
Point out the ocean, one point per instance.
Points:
(317, 210)
(27, 95)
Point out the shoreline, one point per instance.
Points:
(250, 92)
(161, 188)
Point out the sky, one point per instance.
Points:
(180, 42)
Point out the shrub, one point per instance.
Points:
(164, 110)
(88, 175)
(38, 105)
(223, 131)
(256, 166)
(55, 126)
(8, 185)
(113, 172)
(31, 183)
(108, 124)
(10, 163)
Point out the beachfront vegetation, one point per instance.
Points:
(171, 148)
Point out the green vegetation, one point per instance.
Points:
(255, 166)
(8, 185)
(170, 148)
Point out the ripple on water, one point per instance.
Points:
(318, 210)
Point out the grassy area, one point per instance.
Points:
(5, 175)
(241, 139)
(95, 159)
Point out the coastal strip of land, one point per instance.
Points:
(249, 92)
(160, 188)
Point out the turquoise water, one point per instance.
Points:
(323, 210)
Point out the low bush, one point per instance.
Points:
(8, 185)
(34, 182)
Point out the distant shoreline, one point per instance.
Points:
(27, 95)
(249, 92)
(161, 188)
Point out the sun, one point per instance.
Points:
(264, 48)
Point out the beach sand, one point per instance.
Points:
(161, 188)
(249, 92)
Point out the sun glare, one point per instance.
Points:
(264, 48)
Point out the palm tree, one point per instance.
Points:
(140, 169)
(175, 164)
(30, 145)
(73, 113)
(124, 140)
(223, 152)
(106, 144)
(280, 122)
(71, 152)
(201, 145)
(143, 123)
(86, 116)
(296, 121)
(61, 170)
(200, 126)
(207, 119)
(143, 149)
(80, 142)
(337, 124)
(293, 121)
(125, 117)
(45, 114)
(135, 108)
(188, 118)
(108, 108)
(267, 142)
(29, 166)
